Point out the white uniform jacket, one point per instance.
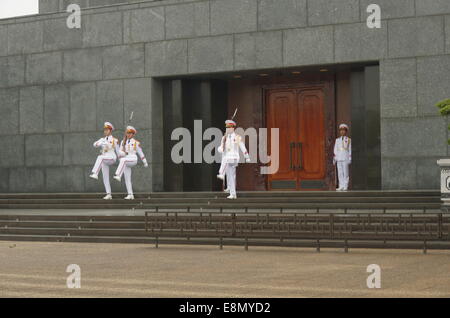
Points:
(232, 143)
(109, 145)
(343, 149)
(132, 148)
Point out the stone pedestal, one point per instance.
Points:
(445, 181)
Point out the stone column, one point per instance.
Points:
(445, 181)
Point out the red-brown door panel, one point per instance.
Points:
(282, 113)
(312, 134)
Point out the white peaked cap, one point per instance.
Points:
(131, 128)
(230, 122)
(108, 125)
(343, 126)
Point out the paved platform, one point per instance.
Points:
(32, 269)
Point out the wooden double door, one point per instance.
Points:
(304, 116)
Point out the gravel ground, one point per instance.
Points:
(34, 269)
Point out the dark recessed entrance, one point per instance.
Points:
(185, 101)
(306, 105)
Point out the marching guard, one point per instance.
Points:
(129, 149)
(343, 157)
(221, 174)
(109, 146)
(229, 148)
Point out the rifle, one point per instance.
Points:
(125, 134)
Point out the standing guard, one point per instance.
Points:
(109, 146)
(229, 148)
(343, 157)
(130, 148)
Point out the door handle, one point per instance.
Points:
(300, 156)
(291, 152)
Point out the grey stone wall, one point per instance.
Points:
(52, 6)
(57, 86)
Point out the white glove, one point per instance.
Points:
(99, 143)
(104, 145)
(145, 163)
(247, 160)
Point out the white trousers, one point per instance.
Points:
(343, 175)
(230, 171)
(222, 171)
(124, 168)
(223, 165)
(103, 162)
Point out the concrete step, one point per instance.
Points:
(242, 194)
(284, 194)
(131, 229)
(214, 242)
(245, 200)
(216, 201)
(235, 204)
(95, 232)
(327, 204)
(70, 218)
(49, 223)
(80, 239)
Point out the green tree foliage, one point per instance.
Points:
(444, 109)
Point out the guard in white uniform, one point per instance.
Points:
(109, 145)
(343, 157)
(229, 148)
(129, 150)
